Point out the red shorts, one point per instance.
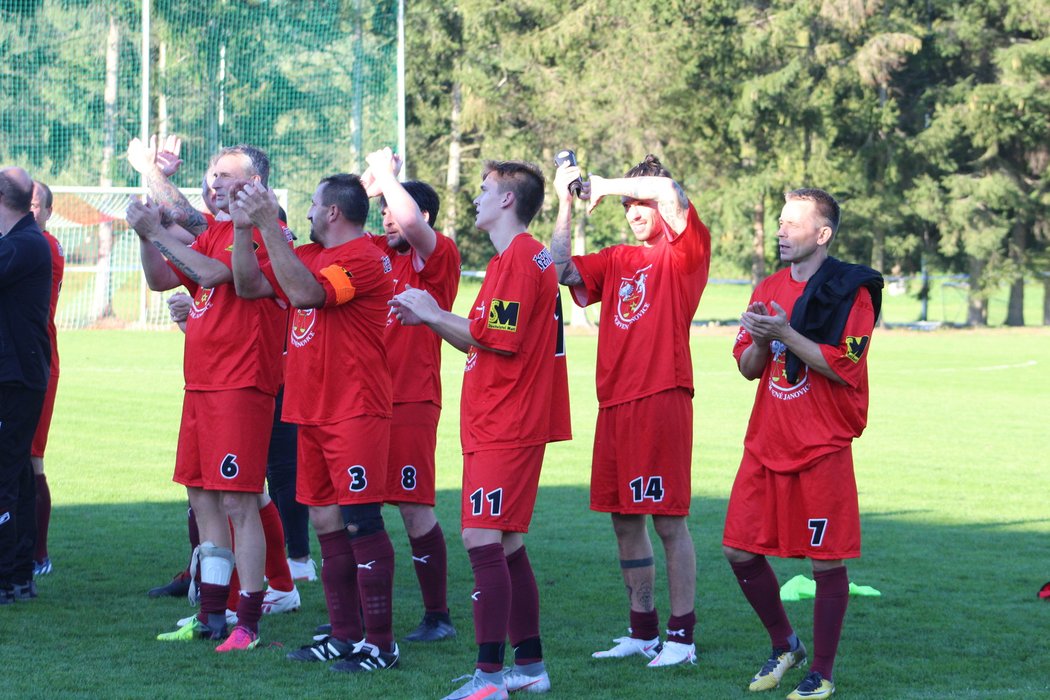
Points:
(44, 426)
(413, 440)
(811, 513)
(223, 440)
(343, 463)
(499, 488)
(643, 453)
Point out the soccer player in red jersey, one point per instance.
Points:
(804, 336)
(423, 259)
(42, 208)
(649, 293)
(232, 367)
(338, 390)
(514, 401)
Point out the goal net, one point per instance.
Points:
(103, 285)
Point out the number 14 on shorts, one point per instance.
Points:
(647, 488)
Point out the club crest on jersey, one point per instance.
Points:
(201, 302)
(779, 386)
(855, 347)
(631, 304)
(503, 315)
(303, 321)
(472, 359)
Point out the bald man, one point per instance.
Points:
(25, 299)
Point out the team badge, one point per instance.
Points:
(503, 315)
(201, 302)
(631, 304)
(303, 321)
(472, 359)
(779, 386)
(855, 347)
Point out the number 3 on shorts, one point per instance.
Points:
(358, 480)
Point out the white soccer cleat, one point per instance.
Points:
(517, 681)
(280, 601)
(303, 570)
(629, 646)
(674, 653)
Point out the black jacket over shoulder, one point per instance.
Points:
(821, 312)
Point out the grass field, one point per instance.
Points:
(954, 507)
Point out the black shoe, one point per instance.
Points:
(324, 649)
(433, 628)
(25, 591)
(176, 587)
(367, 657)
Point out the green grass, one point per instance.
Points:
(953, 499)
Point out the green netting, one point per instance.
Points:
(314, 84)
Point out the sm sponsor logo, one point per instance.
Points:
(503, 315)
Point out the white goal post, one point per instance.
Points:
(103, 285)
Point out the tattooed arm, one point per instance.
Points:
(158, 243)
(561, 241)
(669, 197)
(148, 159)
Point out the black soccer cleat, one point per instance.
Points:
(177, 587)
(434, 627)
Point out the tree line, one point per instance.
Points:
(930, 121)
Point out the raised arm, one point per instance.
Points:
(668, 194)
(383, 166)
(145, 218)
(151, 160)
(248, 278)
(561, 240)
(297, 282)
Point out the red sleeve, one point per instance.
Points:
(348, 276)
(743, 338)
(692, 248)
(849, 358)
(441, 272)
(592, 268)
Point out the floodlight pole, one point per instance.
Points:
(401, 82)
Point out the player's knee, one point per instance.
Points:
(363, 520)
(736, 556)
(216, 564)
(670, 527)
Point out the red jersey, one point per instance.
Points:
(337, 366)
(649, 295)
(231, 343)
(58, 267)
(793, 424)
(511, 400)
(414, 352)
